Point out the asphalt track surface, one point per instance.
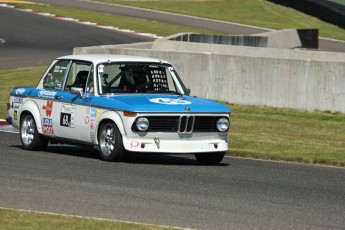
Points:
(209, 24)
(171, 190)
(28, 39)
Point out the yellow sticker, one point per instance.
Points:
(98, 113)
(15, 114)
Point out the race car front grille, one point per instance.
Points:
(163, 124)
(186, 124)
(183, 123)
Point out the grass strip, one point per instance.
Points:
(251, 12)
(287, 134)
(256, 132)
(20, 219)
(28, 76)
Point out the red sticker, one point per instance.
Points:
(48, 108)
(134, 143)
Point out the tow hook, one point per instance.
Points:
(157, 141)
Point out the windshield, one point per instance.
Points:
(138, 78)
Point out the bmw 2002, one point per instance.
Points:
(121, 105)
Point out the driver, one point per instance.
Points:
(140, 81)
(133, 80)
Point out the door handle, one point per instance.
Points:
(58, 97)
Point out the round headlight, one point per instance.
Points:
(222, 124)
(142, 124)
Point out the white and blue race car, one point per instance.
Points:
(120, 105)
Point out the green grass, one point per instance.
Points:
(287, 134)
(122, 22)
(9, 79)
(339, 1)
(258, 132)
(15, 219)
(251, 12)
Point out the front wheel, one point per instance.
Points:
(210, 158)
(29, 136)
(110, 142)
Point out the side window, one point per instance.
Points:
(90, 84)
(56, 75)
(78, 75)
(109, 77)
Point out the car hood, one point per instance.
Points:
(161, 103)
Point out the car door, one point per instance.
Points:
(47, 96)
(74, 103)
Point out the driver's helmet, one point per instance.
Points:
(140, 78)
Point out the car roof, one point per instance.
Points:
(101, 58)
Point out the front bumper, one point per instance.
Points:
(9, 120)
(176, 146)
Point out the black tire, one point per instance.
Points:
(210, 158)
(110, 142)
(29, 136)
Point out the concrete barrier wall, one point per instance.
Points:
(288, 38)
(264, 81)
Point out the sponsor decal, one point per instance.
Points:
(87, 117)
(48, 126)
(93, 112)
(59, 69)
(15, 115)
(204, 147)
(67, 108)
(18, 100)
(67, 117)
(98, 113)
(47, 93)
(92, 130)
(48, 108)
(169, 101)
(20, 91)
(134, 144)
(92, 123)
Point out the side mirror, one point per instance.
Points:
(77, 91)
(188, 92)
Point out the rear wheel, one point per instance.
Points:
(29, 136)
(210, 158)
(110, 142)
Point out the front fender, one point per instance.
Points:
(31, 107)
(110, 115)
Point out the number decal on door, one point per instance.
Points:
(65, 119)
